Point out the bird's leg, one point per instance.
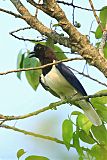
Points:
(66, 98)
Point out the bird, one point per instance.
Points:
(61, 81)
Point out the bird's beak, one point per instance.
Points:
(31, 54)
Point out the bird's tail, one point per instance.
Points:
(90, 112)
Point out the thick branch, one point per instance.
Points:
(36, 24)
(89, 52)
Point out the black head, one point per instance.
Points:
(38, 50)
(44, 53)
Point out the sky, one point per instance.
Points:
(17, 97)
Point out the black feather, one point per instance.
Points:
(71, 78)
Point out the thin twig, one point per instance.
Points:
(73, 13)
(33, 134)
(37, 135)
(40, 67)
(37, 9)
(71, 4)
(21, 29)
(95, 15)
(11, 13)
(24, 39)
(44, 66)
(87, 76)
(35, 113)
(90, 29)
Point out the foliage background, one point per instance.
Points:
(17, 97)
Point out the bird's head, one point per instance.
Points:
(43, 53)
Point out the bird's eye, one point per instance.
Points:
(39, 47)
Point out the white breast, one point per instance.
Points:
(58, 83)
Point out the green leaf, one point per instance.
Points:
(67, 132)
(103, 15)
(32, 75)
(100, 133)
(84, 123)
(33, 157)
(20, 153)
(20, 59)
(103, 18)
(75, 113)
(100, 104)
(76, 143)
(50, 42)
(97, 44)
(56, 25)
(98, 33)
(100, 100)
(86, 137)
(43, 43)
(59, 53)
(99, 152)
(103, 114)
(96, 152)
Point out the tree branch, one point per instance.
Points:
(40, 67)
(11, 13)
(87, 76)
(80, 42)
(34, 134)
(51, 106)
(75, 6)
(37, 25)
(89, 52)
(37, 135)
(24, 39)
(50, 64)
(84, 48)
(95, 15)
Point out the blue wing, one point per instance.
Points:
(71, 78)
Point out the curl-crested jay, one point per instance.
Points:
(61, 82)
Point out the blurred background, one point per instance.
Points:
(18, 98)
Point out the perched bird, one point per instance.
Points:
(61, 81)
